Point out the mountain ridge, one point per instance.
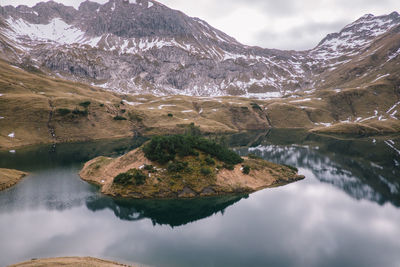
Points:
(142, 46)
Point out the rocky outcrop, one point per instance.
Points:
(161, 183)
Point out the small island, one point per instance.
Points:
(9, 178)
(184, 166)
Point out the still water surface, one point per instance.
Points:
(345, 213)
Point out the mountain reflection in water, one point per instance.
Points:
(309, 223)
(365, 168)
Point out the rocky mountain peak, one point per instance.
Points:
(41, 13)
(355, 38)
(365, 28)
(142, 46)
(394, 14)
(89, 6)
(133, 19)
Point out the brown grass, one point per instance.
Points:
(9, 178)
(369, 128)
(30, 102)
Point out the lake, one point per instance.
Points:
(345, 213)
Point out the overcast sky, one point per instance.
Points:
(282, 24)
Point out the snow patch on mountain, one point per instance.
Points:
(203, 61)
(56, 31)
(166, 105)
(394, 55)
(354, 37)
(380, 77)
(393, 107)
(139, 45)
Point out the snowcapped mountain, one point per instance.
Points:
(142, 46)
(348, 51)
(354, 37)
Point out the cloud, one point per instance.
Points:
(300, 37)
(283, 24)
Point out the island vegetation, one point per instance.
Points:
(186, 165)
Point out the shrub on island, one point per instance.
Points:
(133, 176)
(163, 149)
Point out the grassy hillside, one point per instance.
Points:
(31, 107)
(36, 108)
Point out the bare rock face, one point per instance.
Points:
(142, 46)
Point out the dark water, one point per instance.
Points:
(345, 213)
